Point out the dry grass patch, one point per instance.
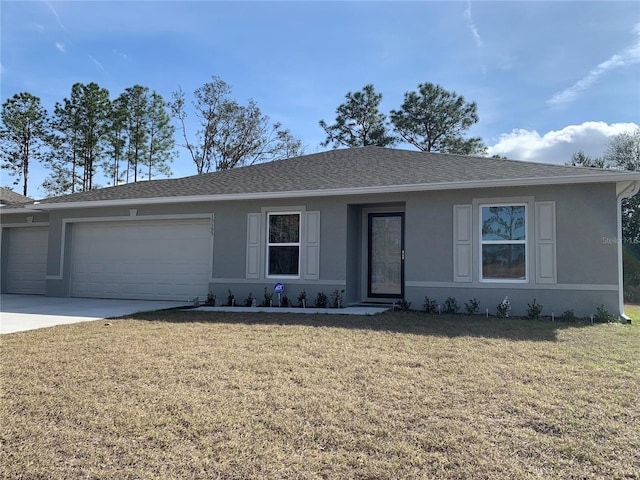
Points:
(395, 396)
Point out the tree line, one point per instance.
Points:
(127, 139)
(131, 137)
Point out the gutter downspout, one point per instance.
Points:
(626, 192)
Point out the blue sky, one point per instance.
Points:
(549, 78)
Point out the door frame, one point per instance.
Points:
(368, 215)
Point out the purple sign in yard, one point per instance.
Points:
(278, 288)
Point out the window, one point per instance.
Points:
(504, 242)
(283, 244)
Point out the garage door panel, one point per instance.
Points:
(27, 260)
(169, 260)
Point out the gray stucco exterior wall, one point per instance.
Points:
(586, 262)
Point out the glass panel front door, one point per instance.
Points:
(386, 255)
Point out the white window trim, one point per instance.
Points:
(524, 242)
(288, 244)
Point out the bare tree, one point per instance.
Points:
(229, 134)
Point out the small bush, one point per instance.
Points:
(451, 306)
(231, 299)
(284, 301)
(267, 301)
(336, 299)
(472, 307)
(430, 306)
(602, 315)
(569, 316)
(403, 305)
(534, 310)
(321, 300)
(302, 298)
(248, 302)
(211, 300)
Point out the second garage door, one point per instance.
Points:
(27, 260)
(155, 260)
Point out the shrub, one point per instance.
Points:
(321, 300)
(302, 298)
(211, 300)
(248, 302)
(534, 310)
(284, 301)
(336, 298)
(403, 305)
(569, 316)
(451, 305)
(472, 307)
(268, 298)
(231, 300)
(430, 306)
(602, 315)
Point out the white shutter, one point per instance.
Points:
(253, 245)
(462, 240)
(312, 246)
(545, 242)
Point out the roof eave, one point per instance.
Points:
(517, 182)
(5, 209)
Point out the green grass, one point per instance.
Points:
(395, 396)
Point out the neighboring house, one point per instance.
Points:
(380, 224)
(10, 198)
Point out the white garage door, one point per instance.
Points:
(159, 259)
(27, 260)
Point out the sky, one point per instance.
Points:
(549, 77)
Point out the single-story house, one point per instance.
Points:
(380, 224)
(9, 197)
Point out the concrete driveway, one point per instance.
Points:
(28, 312)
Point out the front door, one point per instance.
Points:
(386, 255)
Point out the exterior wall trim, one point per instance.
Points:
(26, 225)
(286, 281)
(515, 286)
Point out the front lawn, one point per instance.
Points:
(267, 396)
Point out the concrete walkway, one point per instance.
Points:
(28, 312)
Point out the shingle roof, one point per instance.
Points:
(354, 168)
(11, 198)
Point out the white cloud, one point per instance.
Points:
(471, 25)
(37, 27)
(124, 56)
(630, 56)
(557, 146)
(55, 14)
(97, 63)
(61, 46)
(474, 31)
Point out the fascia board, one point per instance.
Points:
(517, 182)
(12, 210)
